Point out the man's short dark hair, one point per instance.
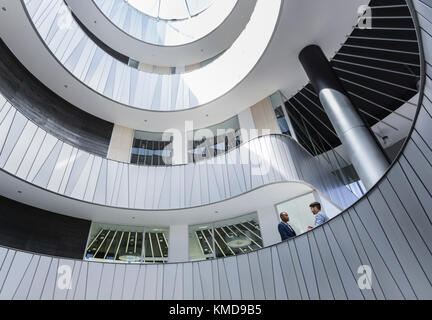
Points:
(282, 213)
(315, 205)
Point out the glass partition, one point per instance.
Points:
(231, 237)
(151, 149)
(213, 141)
(156, 245)
(201, 242)
(282, 117)
(156, 149)
(121, 244)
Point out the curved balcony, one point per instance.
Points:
(33, 155)
(388, 230)
(48, 110)
(164, 30)
(151, 91)
(161, 42)
(268, 74)
(171, 10)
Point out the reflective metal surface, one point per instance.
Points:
(364, 152)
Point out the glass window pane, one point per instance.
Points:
(149, 148)
(127, 244)
(277, 103)
(231, 237)
(156, 245)
(218, 139)
(299, 212)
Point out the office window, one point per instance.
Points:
(133, 63)
(281, 117)
(214, 141)
(231, 237)
(156, 245)
(122, 244)
(299, 212)
(151, 149)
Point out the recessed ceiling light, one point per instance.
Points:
(19, 191)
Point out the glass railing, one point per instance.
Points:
(225, 238)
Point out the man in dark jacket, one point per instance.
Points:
(285, 230)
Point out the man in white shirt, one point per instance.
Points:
(320, 217)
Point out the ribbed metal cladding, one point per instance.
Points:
(389, 229)
(30, 153)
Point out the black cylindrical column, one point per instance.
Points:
(318, 69)
(361, 146)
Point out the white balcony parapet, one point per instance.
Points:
(126, 85)
(39, 158)
(378, 249)
(165, 29)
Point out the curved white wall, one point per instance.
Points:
(151, 91)
(171, 9)
(129, 38)
(322, 23)
(31, 154)
(165, 32)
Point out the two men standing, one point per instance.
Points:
(287, 232)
